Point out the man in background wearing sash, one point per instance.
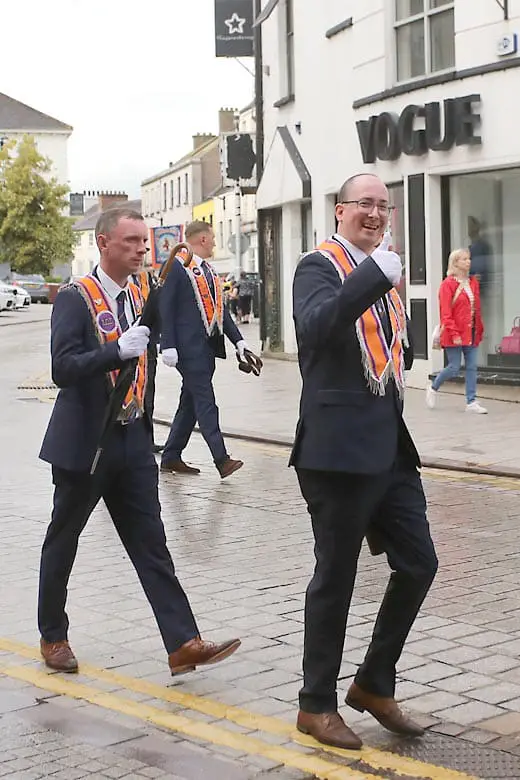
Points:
(194, 322)
(144, 279)
(356, 463)
(94, 330)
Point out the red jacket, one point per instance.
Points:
(456, 314)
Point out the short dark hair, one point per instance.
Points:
(343, 194)
(109, 219)
(196, 227)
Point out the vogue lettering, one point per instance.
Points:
(419, 128)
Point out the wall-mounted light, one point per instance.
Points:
(298, 127)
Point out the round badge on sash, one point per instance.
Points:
(197, 271)
(106, 322)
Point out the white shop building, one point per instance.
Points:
(425, 94)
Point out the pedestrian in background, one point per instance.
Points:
(461, 328)
(245, 297)
(194, 322)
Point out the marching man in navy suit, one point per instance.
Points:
(194, 322)
(94, 330)
(356, 463)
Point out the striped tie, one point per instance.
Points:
(121, 315)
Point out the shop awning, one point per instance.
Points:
(266, 13)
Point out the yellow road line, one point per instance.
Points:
(207, 732)
(377, 759)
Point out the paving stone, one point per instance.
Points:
(470, 713)
(505, 724)
(491, 664)
(431, 702)
(430, 672)
(497, 693)
(465, 681)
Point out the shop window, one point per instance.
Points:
(483, 216)
(417, 235)
(425, 37)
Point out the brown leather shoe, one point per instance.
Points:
(385, 710)
(328, 728)
(59, 656)
(229, 467)
(180, 467)
(197, 652)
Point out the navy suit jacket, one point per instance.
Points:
(343, 426)
(182, 327)
(79, 368)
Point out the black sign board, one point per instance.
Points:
(454, 123)
(77, 208)
(234, 28)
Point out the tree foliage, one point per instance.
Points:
(35, 234)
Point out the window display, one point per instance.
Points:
(484, 218)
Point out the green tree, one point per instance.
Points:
(35, 234)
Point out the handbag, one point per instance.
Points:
(510, 345)
(437, 331)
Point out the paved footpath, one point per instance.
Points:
(243, 551)
(268, 406)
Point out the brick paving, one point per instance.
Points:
(244, 554)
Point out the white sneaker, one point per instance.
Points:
(476, 408)
(431, 397)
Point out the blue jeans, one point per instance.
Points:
(452, 369)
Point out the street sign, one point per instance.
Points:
(245, 243)
(238, 159)
(234, 28)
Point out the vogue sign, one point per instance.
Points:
(434, 126)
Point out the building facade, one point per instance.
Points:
(86, 253)
(51, 136)
(419, 92)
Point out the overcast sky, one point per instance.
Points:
(135, 80)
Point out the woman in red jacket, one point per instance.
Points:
(461, 328)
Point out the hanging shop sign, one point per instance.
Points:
(435, 127)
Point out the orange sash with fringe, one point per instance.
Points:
(381, 361)
(107, 329)
(211, 308)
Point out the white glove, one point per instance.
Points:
(387, 240)
(241, 347)
(170, 357)
(133, 342)
(389, 263)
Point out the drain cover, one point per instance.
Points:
(48, 386)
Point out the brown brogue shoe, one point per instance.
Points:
(228, 467)
(179, 467)
(329, 728)
(385, 710)
(197, 652)
(58, 656)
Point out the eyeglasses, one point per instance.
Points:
(368, 206)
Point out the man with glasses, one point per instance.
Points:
(356, 463)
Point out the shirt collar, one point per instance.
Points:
(110, 287)
(358, 254)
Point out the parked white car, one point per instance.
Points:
(21, 297)
(6, 297)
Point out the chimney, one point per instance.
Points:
(200, 139)
(226, 120)
(109, 199)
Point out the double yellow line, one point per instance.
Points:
(317, 760)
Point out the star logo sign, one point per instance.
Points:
(235, 25)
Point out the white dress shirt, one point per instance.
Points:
(112, 290)
(357, 254)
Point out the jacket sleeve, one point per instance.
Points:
(168, 305)
(72, 363)
(230, 329)
(323, 307)
(446, 310)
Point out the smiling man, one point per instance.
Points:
(356, 463)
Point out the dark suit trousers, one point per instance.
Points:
(149, 400)
(342, 506)
(127, 480)
(197, 404)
